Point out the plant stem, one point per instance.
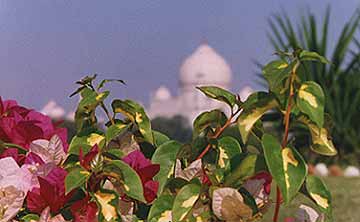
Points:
(107, 113)
(217, 134)
(103, 106)
(285, 137)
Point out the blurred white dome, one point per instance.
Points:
(205, 66)
(162, 93)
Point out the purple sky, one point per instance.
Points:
(47, 45)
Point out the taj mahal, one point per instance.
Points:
(203, 67)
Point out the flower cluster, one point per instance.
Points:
(33, 169)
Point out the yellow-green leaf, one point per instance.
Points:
(319, 193)
(287, 166)
(184, 201)
(310, 100)
(136, 113)
(253, 112)
(321, 143)
(105, 201)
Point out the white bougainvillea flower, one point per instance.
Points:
(228, 205)
(14, 185)
(190, 172)
(46, 217)
(307, 214)
(50, 151)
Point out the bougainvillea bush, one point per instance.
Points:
(125, 171)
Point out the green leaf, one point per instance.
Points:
(108, 202)
(161, 209)
(312, 56)
(136, 113)
(243, 167)
(228, 147)
(165, 155)
(252, 112)
(310, 100)
(275, 73)
(184, 201)
(30, 218)
(320, 194)
(159, 138)
(76, 178)
(287, 166)
(90, 100)
(320, 139)
(87, 80)
(104, 81)
(114, 131)
(131, 181)
(220, 94)
(85, 143)
(249, 200)
(211, 119)
(77, 91)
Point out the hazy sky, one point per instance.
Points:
(46, 45)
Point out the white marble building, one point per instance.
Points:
(203, 67)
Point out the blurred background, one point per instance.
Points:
(164, 49)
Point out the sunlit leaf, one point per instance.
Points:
(184, 201)
(76, 178)
(107, 202)
(276, 72)
(320, 194)
(114, 131)
(160, 211)
(312, 56)
(212, 119)
(310, 100)
(132, 185)
(253, 111)
(220, 94)
(287, 166)
(165, 155)
(85, 143)
(227, 148)
(321, 143)
(136, 113)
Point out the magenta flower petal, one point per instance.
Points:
(146, 171)
(150, 190)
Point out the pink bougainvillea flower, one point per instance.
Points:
(146, 171)
(13, 153)
(46, 216)
(86, 160)
(14, 184)
(84, 210)
(21, 126)
(50, 194)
